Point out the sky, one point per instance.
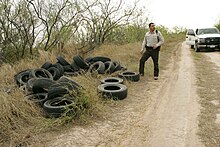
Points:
(182, 13)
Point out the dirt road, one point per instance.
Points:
(159, 113)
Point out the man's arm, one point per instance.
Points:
(143, 44)
(161, 39)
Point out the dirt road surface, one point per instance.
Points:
(160, 113)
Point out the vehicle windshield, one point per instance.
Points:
(208, 31)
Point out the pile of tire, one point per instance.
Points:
(55, 97)
(50, 87)
(113, 88)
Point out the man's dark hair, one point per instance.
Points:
(150, 24)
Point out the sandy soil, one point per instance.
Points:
(159, 113)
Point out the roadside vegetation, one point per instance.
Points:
(34, 32)
(208, 89)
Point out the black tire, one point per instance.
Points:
(68, 80)
(192, 46)
(56, 107)
(41, 73)
(109, 67)
(113, 91)
(100, 58)
(60, 67)
(30, 84)
(117, 66)
(22, 77)
(131, 76)
(88, 60)
(46, 65)
(63, 88)
(74, 66)
(38, 98)
(55, 73)
(97, 68)
(80, 62)
(68, 68)
(113, 80)
(41, 85)
(62, 61)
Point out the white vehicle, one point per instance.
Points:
(203, 38)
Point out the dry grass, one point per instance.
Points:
(20, 119)
(208, 89)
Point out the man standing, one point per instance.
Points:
(153, 39)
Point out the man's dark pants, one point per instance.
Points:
(154, 54)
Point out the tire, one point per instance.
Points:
(74, 66)
(113, 80)
(68, 80)
(42, 85)
(131, 76)
(56, 107)
(117, 66)
(68, 68)
(41, 73)
(38, 98)
(46, 65)
(59, 67)
(80, 62)
(55, 73)
(88, 60)
(100, 58)
(62, 61)
(22, 77)
(192, 46)
(30, 84)
(113, 91)
(97, 68)
(63, 88)
(109, 67)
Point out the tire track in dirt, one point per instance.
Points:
(173, 121)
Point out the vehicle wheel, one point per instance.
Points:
(131, 76)
(56, 107)
(113, 91)
(113, 80)
(97, 67)
(196, 48)
(192, 46)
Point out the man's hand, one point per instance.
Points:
(155, 46)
